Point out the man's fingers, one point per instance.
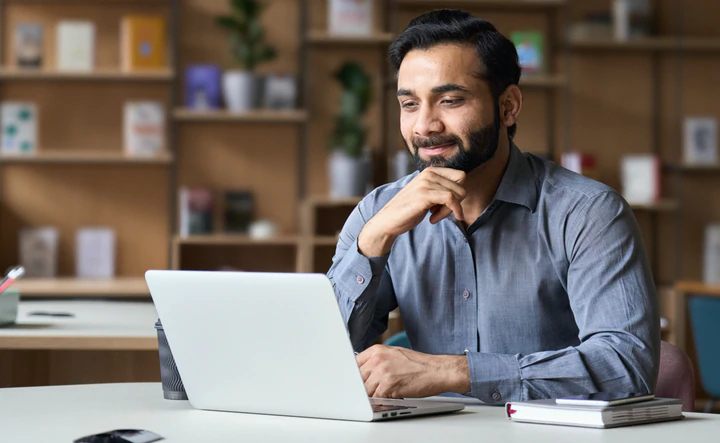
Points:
(444, 182)
(449, 200)
(371, 385)
(365, 355)
(453, 175)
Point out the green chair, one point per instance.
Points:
(705, 320)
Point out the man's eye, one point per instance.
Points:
(408, 105)
(456, 101)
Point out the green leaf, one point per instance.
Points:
(230, 23)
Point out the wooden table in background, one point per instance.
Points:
(104, 341)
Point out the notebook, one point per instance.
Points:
(549, 412)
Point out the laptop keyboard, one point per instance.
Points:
(378, 407)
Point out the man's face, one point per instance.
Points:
(448, 117)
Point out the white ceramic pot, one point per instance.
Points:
(348, 175)
(239, 90)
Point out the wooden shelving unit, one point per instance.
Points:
(237, 240)
(543, 81)
(10, 73)
(324, 38)
(85, 157)
(660, 44)
(512, 5)
(661, 206)
(257, 116)
(74, 287)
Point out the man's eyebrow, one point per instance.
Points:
(450, 87)
(403, 92)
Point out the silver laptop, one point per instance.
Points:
(268, 343)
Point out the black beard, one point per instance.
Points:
(482, 146)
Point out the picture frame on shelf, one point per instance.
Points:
(700, 141)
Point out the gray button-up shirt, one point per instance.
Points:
(548, 292)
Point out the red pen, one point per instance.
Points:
(11, 276)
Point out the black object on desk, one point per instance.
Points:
(50, 314)
(121, 436)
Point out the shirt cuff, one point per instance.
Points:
(494, 378)
(356, 272)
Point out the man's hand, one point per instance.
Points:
(438, 190)
(391, 372)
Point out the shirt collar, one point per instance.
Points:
(518, 184)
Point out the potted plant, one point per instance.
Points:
(348, 166)
(247, 37)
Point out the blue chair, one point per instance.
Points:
(400, 339)
(705, 320)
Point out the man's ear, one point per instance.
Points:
(510, 105)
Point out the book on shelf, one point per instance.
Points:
(143, 43)
(238, 212)
(700, 141)
(529, 46)
(19, 128)
(29, 47)
(95, 253)
(75, 45)
(38, 251)
(350, 17)
(202, 87)
(549, 412)
(641, 178)
(580, 163)
(144, 128)
(197, 207)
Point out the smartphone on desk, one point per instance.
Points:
(604, 399)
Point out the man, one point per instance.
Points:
(515, 278)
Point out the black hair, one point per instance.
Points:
(495, 51)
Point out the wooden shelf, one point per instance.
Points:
(257, 116)
(327, 240)
(699, 168)
(84, 157)
(648, 44)
(325, 38)
(488, 4)
(661, 206)
(697, 288)
(11, 73)
(324, 201)
(236, 240)
(75, 287)
(542, 81)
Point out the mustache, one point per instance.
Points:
(435, 140)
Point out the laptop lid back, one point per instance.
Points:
(264, 343)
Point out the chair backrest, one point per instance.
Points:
(400, 339)
(704, 314)
(677, 377)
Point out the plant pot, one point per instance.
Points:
(348, 175)
(240, 90)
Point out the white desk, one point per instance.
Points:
(96, 325)
(64, 413)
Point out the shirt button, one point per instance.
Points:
(465, 240)
(466, 350)
(360, 279)
(496, 396)
(466, 294)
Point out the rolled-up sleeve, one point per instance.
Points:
(613, 299)
(362, 285)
